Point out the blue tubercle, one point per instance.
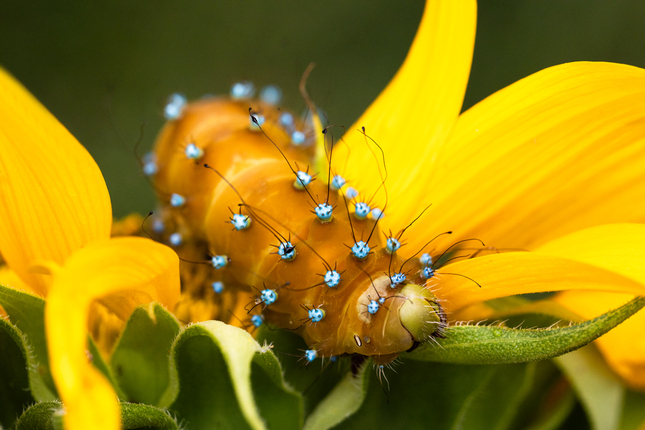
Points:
(360, 250)
(337, 182)
(150, 168)
(158, 226)
(298, 138)
(427, 272)
(257, 320)
(392, 245)
(218, 287)
(373, 307)
(381, 300)
(219, 261)
(271, 94)
(175, 239)
(396, 279)
(193, 152)
(361, 210)
(150, 164)
(174, 106)
(302, 181)
(425, 259)
(177, 200)
(243, 90)
(332, 278)
(351, 193)
(324, 212)
(240, 222)
(316, 315)
(311, 355)
(268, 296)
(286, 119)
(287, 251)
(377, 214)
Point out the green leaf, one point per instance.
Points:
(633, 414)
(47, 416)
(599, 390)
(343, 401)
(41, 416)
(556, 412)
(223, 378)
(140, 359)
(496, 345)
(14, 378)
(313, 380)
(136, 416)
(442, 396)
(27, 312)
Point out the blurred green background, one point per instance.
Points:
(105, 68)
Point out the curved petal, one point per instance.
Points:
(556, 152)
(502, 275)
(620, 248)
(53, 199)
(415, 112)
(129, 269)
(616, 247)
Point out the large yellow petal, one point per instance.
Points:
(53, 199)
(620, 248)
(616, 247)
(130, 268)
(412, 116)
(556, 152)
(502, 275)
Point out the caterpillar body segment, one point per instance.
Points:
(339, 301)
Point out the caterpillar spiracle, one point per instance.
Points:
(236, 183)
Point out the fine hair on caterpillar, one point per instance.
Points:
(249, 191)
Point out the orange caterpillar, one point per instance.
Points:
(235, 179)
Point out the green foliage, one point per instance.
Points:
(600, 391)
(138, 416)
(215, 365)
(212, 375)
(342, 402)
(14, 379)
(140, 358)
(47, 416)
(41, 416)
(27, 313)
(498, 345)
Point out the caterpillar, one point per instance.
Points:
(258, 229)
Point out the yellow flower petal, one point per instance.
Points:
(556, 152)
(119, 272)
(9, 278)
(53, 199)
(616, 247)
(415, 112)
(513, 273)
(105, 327)
(620, 248)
